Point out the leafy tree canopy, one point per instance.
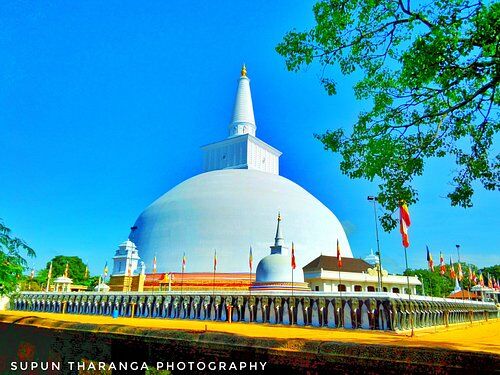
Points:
(431, 70)
(438, 285)
(492, 271)
(435, 284)
(76, 268)
(12, 261)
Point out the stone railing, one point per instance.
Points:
(381, 311)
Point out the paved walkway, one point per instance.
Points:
(478, 337)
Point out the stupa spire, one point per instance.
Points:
(279, 240)
(243, 120)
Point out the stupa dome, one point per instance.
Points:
(231, 210)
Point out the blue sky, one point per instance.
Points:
(103, 108)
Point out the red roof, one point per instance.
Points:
(464, 294)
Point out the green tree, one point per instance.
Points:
(431, 70)
(12, 261)
(76, 268)
(492, 271)
(434, 284)
(91, 282)
(438, 285)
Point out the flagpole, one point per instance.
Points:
(340, 290)
(49, 276)
(470, 279)
(379, 271)
(409, 292)
(182, 278)
(250, 264)
(459, 265)
(339, 266)
(213, 284)
(293, 264)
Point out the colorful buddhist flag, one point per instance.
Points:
(86, 273)
(183, 262)
(154, 264)
(442, 266)
(430, 261)
(250, 259)
(471, 276)
(490, 282)
(481, 279)
(452, 270)
(460, 273)
(404, 224)
(105, 271)
(66, 270)
(293, 257)
(49, 275)
(339, 257)
(215, 260)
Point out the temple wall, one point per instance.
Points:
(382, 311)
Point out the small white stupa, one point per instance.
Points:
(62, 284)
(275, 271)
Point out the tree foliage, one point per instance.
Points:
(12, 261)
(76, 268)
(438, 285)
(434, 284)
(431, 70)
(492, 271)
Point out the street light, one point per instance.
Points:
(379, 273)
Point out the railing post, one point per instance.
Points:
(132, 304)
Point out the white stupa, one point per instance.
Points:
(275, 272)
(233, 205)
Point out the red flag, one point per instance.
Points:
(293, 257)
(215, 260)
(404, 223)
(183, 262)
(339, 257)
(442, 266)
(154, 264)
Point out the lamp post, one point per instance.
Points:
(379, 273)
